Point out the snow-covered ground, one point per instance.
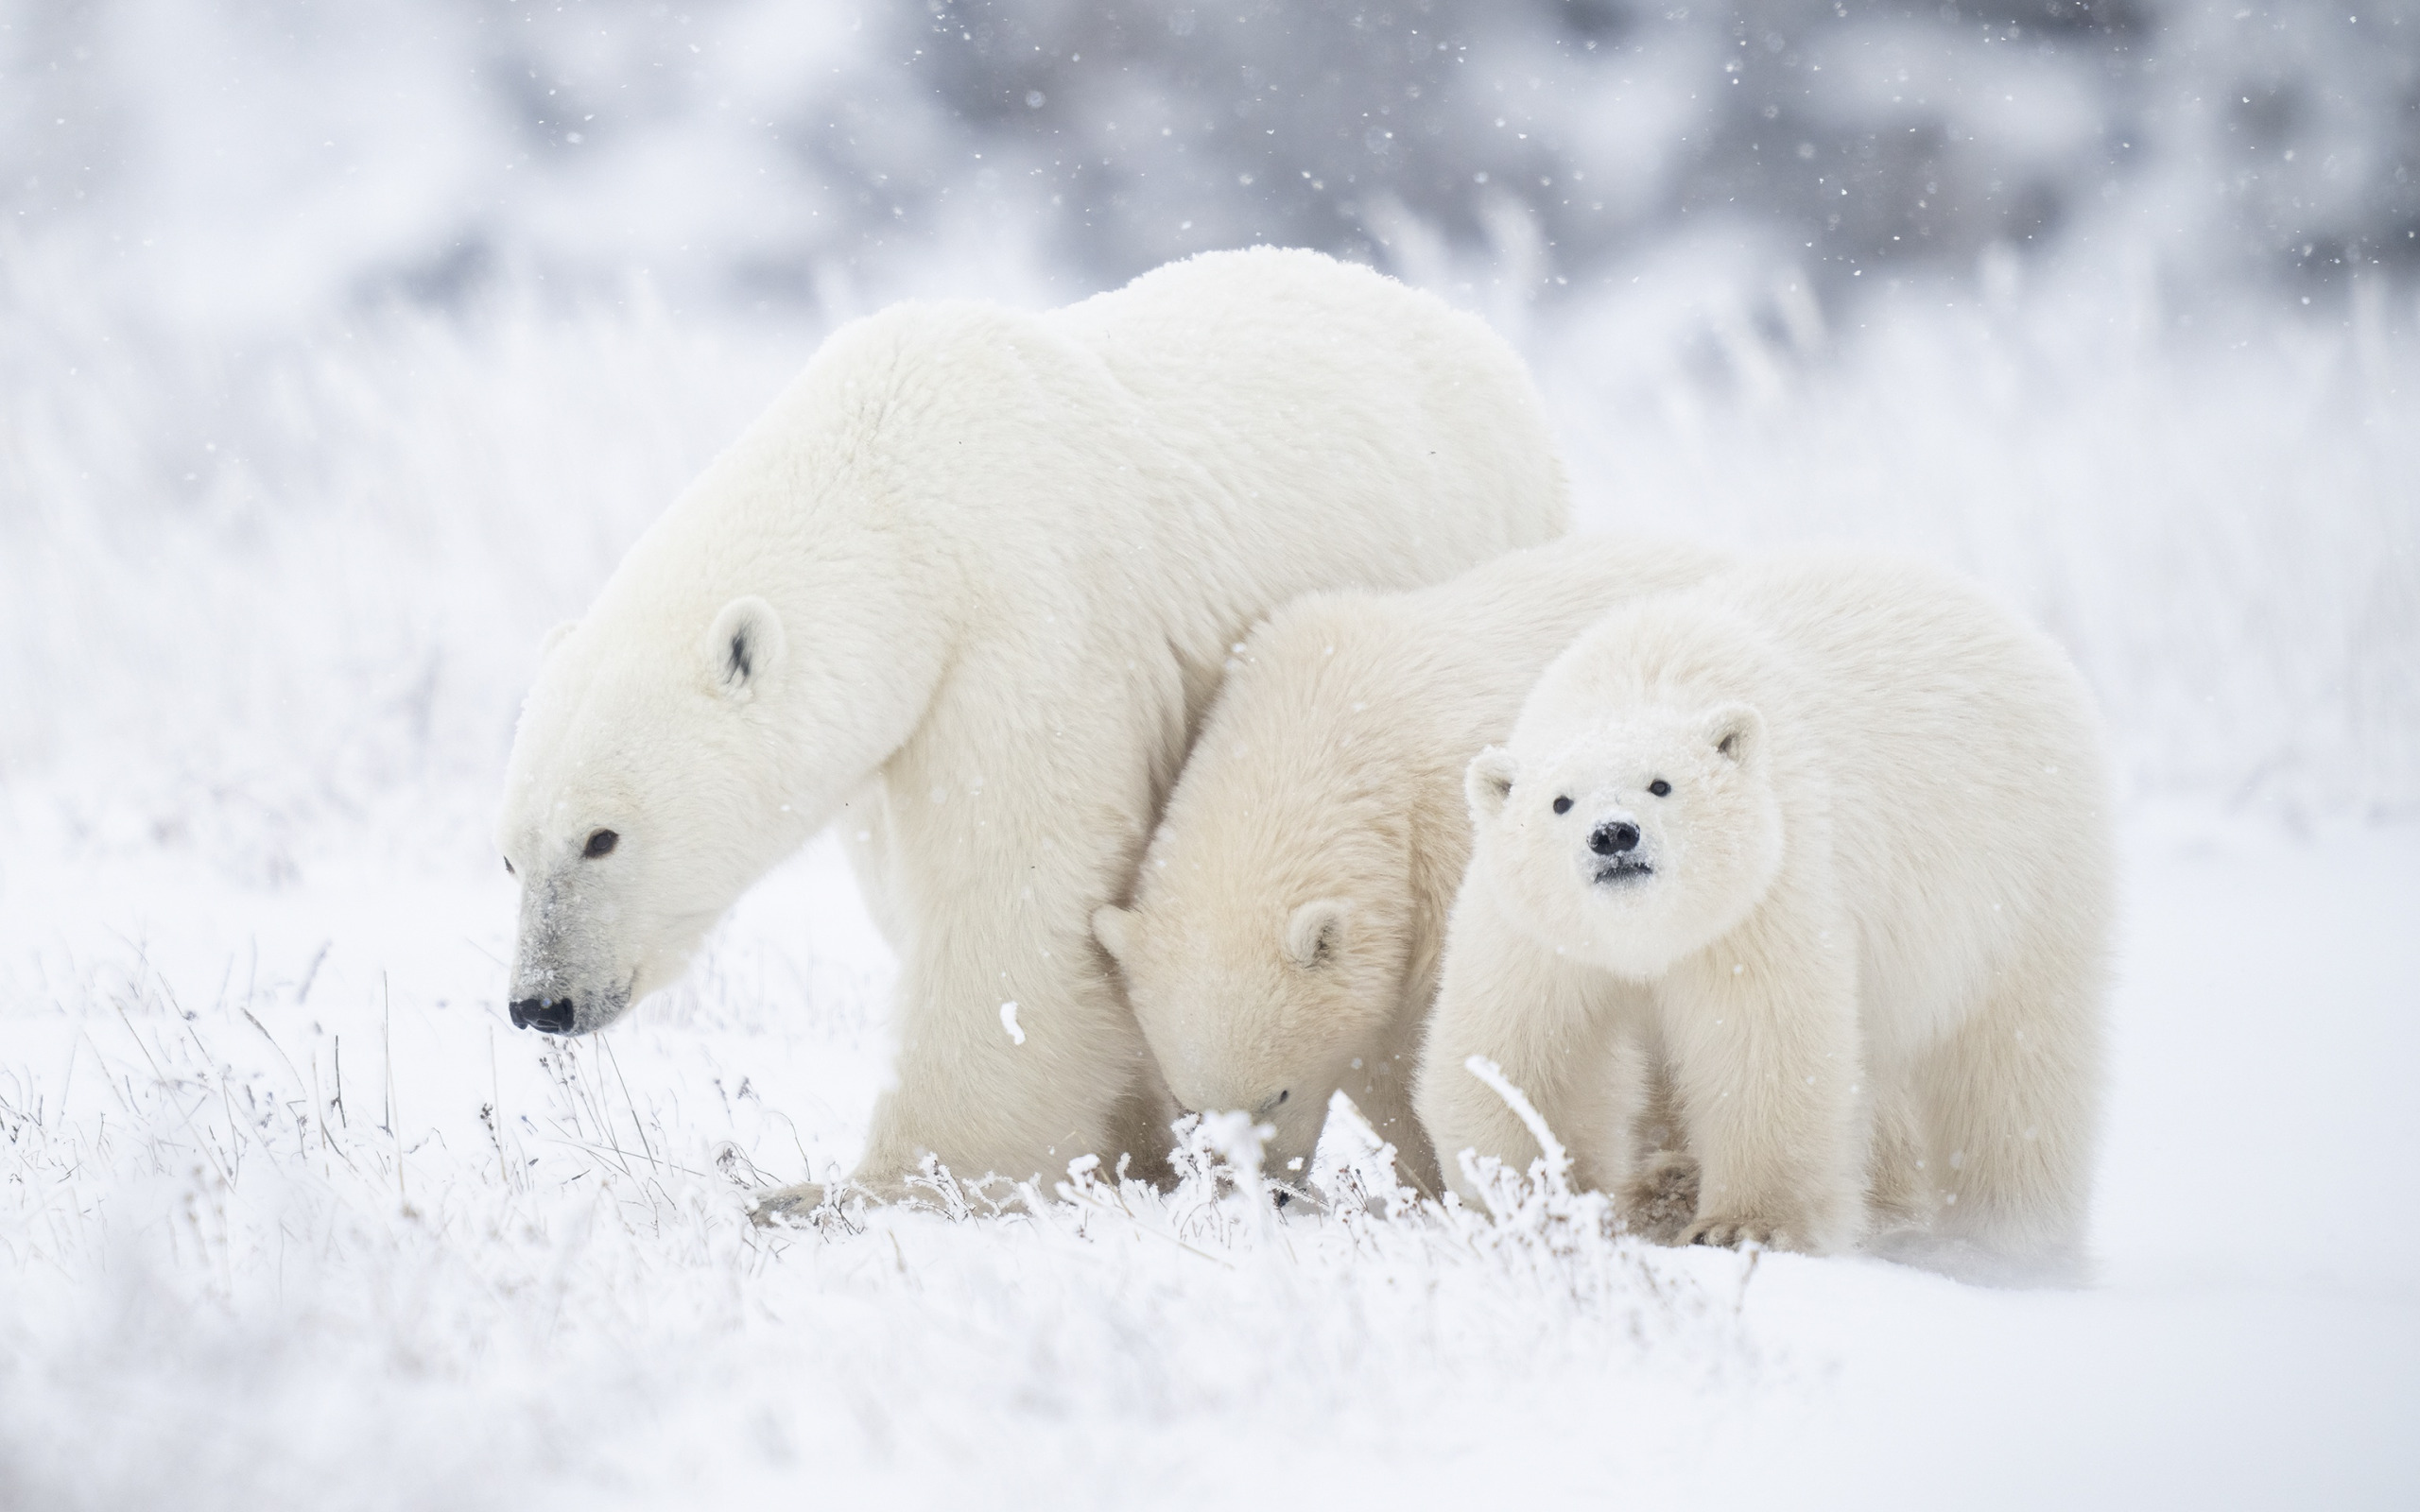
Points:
(290, 1217)
(237, 1277)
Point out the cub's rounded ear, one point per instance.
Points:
(1115, 927)
(555, 638)
(1315, 932)
(1489, 781)
(744, 646)
(1738, 731)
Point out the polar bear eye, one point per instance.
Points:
(1659, 787)
(508, 867)
(601, 843)
(1563, 805)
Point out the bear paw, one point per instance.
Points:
(1659, 1202)
(788, 1207)
(1730, 1232)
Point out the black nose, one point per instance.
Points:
(549, 1015)
(1607, 840)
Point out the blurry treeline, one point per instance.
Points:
(235, 154)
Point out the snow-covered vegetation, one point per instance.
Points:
(342, 354)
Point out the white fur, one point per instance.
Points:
(1290, 912)
(1872, 942)
(991, 565)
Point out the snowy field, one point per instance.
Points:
(290, 1217)
(471, 1269)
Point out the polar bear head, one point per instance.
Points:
(1256, 997)
(642, 796)
(679, 742)
(1632, 819)
(1267, 943)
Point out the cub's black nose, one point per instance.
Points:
(549, 1015)
(1605, 839)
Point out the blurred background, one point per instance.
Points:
(249, 167)
(344, 348)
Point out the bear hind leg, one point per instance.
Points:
(2012, 1110)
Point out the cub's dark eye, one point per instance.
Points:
(601, 843)
(508, 867)
(1659, 787)
(1563, 805)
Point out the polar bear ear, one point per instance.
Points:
(744, 645)
(555, 638)
(1489, 781)
(1738, 731)
(1316, 932)
(1115, 928)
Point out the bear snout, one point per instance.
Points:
(1617, 852)
(547, 1015)
(1614, 837)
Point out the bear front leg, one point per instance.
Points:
(1511, 1000)
(1766, 1058)
(1007, 1074)
(1016, 1051)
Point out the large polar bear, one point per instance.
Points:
(1831, 834)
(1290, 912)
(973, 579)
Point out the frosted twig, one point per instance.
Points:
(1558, 1161)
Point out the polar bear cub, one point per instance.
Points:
(1290, 910)
(1829, 835)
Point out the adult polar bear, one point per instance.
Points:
(973, 578)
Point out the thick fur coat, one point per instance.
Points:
(1831, 836)
(1290, 912)
(967, 588)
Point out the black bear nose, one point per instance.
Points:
(1612, 839)
(547, 1015)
